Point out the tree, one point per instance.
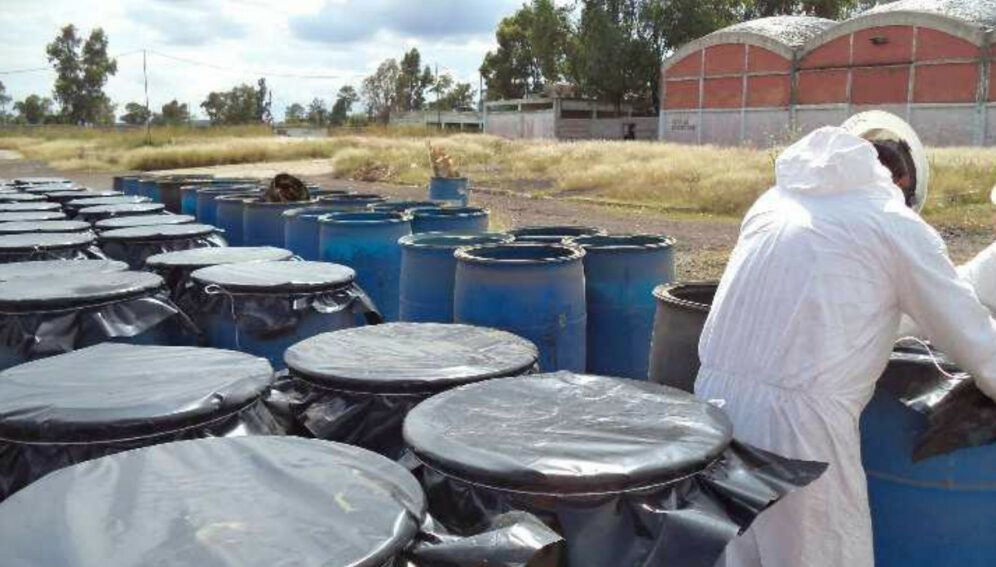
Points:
(318, 113)
(532, 50)
(343, 106)
(173, 114)
(82, 69)
(237, 106)
(135, 114)
(4, 101)
(451, 95)
(33, 109)
(264, 99)
(411, 82)
(294, 114)
(380, 90)
(832, 9)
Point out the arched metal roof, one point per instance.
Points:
(979, 12)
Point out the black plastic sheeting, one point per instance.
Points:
(270, 299)
(99, 213)
(143, 220)
(958, 414)
(79, 268)
(357, 385)
(249, 502)
(49, 246)
(176, 267)
(630, 473)
(25, 216)
(113, 397)
(48, 315)
(135, 244)
(51, 226)
(29, 206)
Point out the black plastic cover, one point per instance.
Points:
(68, 291)
(28, 242)
(564, 433)
(271, 277)
(20, 197)
(85, 202)
(75, 268)
(248, 502)
(142, 220)
(409, 357)
(155, 232)
(116, 391)
(204, 257)
(958, 414)
(24, 216)
(66, 196)
(98, 213)
(25, 227)
(29, 206)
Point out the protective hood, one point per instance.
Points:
(831, 161)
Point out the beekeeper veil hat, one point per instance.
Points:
(877, 125)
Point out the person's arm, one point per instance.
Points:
(980, 272)
(943, 306)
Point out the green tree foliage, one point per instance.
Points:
(135, 114)
(833, 9)
(264, 100)
(82, 69)
(343, 106)
(237, 106)
(412, 82)
(34, 110)
(294, 114)
(452, 95)
(4, 101)
(318, 113)
(172, 114)
(380, 91)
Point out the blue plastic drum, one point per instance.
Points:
(148, 187)
(453, 189)
(368, 242)
(188, 199)
(263, 222)
(428, 271)
(351, 201)
(263, 308)
(229, 210)
(55, 314)
(206, 211)
(405, 206)
(456, 219)
(130, 185)
(50, 246)
(133, 245)
(552, 234)
(301, 230)
(535, 291)
(621, 272)
(53, 226)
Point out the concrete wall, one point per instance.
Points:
(518, 125)
(605, 128)
(932, 70)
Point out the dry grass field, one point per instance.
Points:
(666, 177)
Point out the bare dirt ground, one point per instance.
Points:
(703, 243)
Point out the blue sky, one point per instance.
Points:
(241, 40)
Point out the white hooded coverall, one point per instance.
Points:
(802, 326)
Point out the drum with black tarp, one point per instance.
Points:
(93, 215)
(176, 267)
(357, 385)
(49, 246)
(265, 307)
(43, 268)
(53, 314)
(113, 397)
(114, 223)
(630, 473)
(133, 245)
(45, 226)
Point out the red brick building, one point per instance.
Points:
(762, 82)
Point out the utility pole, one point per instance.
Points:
(439, 111)
(148, 111)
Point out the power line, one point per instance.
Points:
(256, 72)
(39, 69)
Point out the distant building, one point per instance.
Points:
(761, 82)
(564, 119)
(468, 120)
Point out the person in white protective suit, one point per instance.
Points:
(802, 326)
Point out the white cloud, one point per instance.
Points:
(245, 39)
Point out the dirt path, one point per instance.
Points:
(703, 244)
